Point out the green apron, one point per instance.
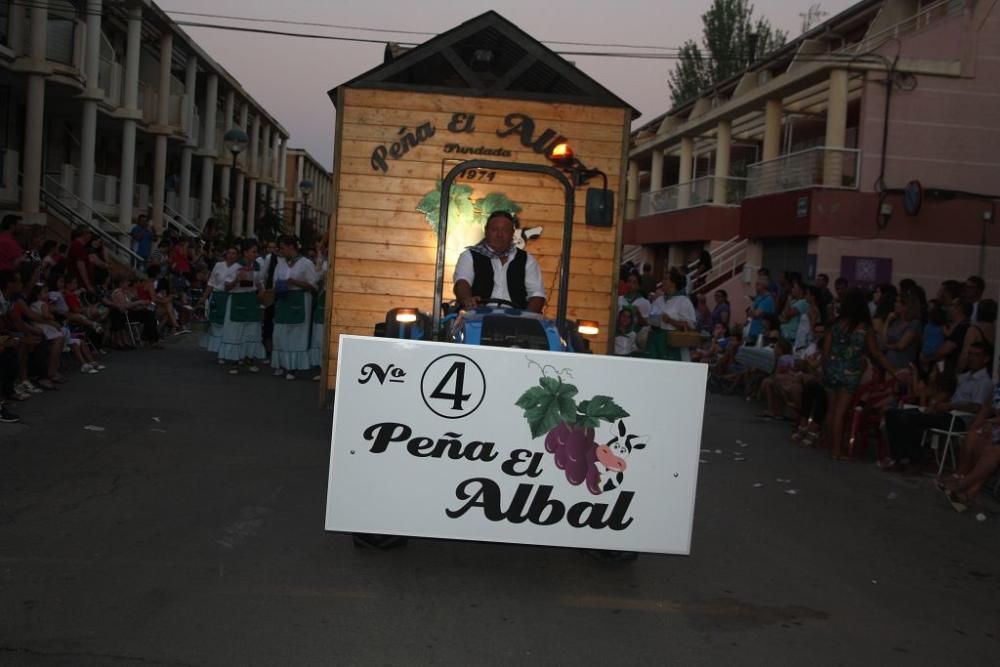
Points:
(290, 307)
(243, 307)
(319, 309)
(658, 348)
(217, 307)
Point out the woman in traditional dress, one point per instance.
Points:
(319, 312)
(295, 283)
(671, 311)
(216, 297)
(241, 342)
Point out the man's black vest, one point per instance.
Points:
(482, 284)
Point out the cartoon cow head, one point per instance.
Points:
(522, 236)
(613, 455)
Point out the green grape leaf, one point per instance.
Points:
(494, 201)
(598, 408)
(460, 208)
(548, 404)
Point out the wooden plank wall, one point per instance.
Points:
(383, 255)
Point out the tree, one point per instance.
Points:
(731, 39)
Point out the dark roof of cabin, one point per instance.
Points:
(487, 56)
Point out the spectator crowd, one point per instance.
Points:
(65, 307)
(847, 367)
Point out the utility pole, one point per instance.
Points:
(812, 16)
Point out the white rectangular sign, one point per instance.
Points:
(514, 445)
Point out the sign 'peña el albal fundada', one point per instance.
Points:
(486, 90)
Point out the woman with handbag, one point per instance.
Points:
(295, 283)
(215, 297)
(241, 343)
(672, 316)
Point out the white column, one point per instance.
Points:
(240, 178)
(15, 30)
(91, 94)
(275, 164)
(282, 178)
(656, 170)
(772, 130)
(300, 176)
(253, 165)
(267, 152)
(190, 90)
(162, 121)
(251, 226)
(723, 144)
(208, 144)
(130, 99)
(836, 129)
(226, 160)
(632, 191)
(34, 117)
(684, 174)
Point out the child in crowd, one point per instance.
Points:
(711, 351)
(625, 345)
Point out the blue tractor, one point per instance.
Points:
(496, 322)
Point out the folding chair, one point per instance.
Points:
(134, 330)
(935, 435)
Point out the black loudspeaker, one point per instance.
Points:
(600, 207)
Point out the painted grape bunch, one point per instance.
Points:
(551, 409)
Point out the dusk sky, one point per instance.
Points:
(290, 76)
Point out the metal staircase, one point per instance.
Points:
(174, 220)
(728, 260)
(63, 205)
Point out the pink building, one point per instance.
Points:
(869, 147)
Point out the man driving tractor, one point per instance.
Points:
(495, 269)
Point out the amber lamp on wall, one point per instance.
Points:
(562, 155)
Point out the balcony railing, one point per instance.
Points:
(697, 192)
(813, 167)
(109, 78)
(914, 23)
(140, 197)
(60, 38)
(104, 193)
(149, 103)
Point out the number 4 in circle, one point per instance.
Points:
(453, 386)
(457, 371)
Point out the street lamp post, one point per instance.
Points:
(235, 140)
(306, 188)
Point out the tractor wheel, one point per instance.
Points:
(378, 542)
(612, 557)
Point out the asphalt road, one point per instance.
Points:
(190, 532)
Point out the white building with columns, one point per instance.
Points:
(864, 148)
(307, 207)
(109, 110)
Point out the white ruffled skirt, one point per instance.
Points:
(240, 340)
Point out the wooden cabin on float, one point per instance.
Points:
(485, 89)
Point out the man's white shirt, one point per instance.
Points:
(465, 270)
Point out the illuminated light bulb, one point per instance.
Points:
(561, 153)
(406, 315)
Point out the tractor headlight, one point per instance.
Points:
(406, 315)
(587, 327)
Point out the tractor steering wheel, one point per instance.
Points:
(499, 302)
